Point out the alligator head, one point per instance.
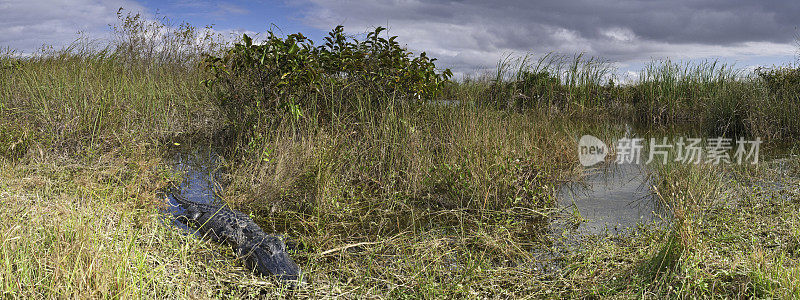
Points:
(268, 257)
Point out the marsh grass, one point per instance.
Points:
(721, 99)
(91, 98)
(77, 231)
(731, 232)
(569, 82)
(386, 197)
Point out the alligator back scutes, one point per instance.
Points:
(263, 253)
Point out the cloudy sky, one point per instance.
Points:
(465, 35)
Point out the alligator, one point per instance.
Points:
(263, 253)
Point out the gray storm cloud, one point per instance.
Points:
(471, 34)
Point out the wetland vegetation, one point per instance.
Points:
(392, 178)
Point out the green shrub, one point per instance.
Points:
(259, 83)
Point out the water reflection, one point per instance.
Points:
(609, 200)
(201, 169)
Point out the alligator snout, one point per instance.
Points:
(269, 258)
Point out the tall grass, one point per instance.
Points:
(551, 80)
(720, 99)
(669, 92)
(90, 96)
(76, 99)
(390, 196)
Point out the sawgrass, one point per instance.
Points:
(412, 200)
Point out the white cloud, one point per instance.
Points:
(619, 34)
(26, 25)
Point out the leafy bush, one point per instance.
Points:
(261, 82)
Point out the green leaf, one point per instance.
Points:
(263, 56)
(294, 49)
(247, 40)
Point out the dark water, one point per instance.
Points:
(200, 169)
(615, 198)
(609, 200)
